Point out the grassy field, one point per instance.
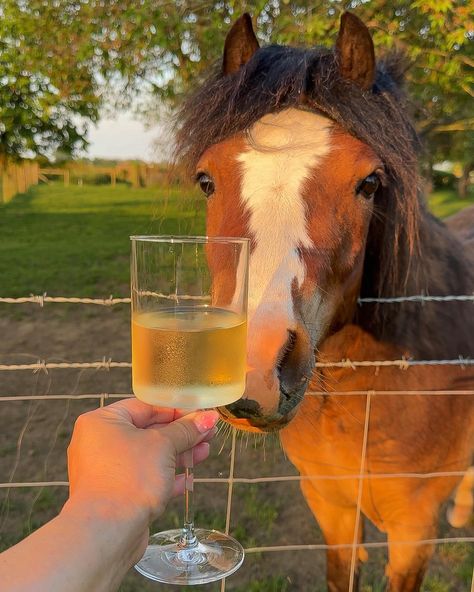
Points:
(446, 202)
(74, 241)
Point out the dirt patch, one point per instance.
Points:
(34, 436)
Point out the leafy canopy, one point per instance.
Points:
(61, 61)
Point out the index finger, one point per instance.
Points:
(142, 415)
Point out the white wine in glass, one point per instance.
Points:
(190, 357)
(189, 330)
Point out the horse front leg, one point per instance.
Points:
(337, 524)
(408, 563)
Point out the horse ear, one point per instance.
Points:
(355, 51)
(240, 45)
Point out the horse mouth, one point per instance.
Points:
(257, 425)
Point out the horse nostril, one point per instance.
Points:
(286, 350)
(284, 392)
(293, 370)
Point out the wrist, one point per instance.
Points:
(123, 528)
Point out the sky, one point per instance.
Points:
(125, 137)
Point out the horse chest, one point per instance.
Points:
(405, 434)
(324, 443)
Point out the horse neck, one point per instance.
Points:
(429, 329)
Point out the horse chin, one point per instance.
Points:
(257, 425)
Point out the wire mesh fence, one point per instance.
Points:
(361, 477)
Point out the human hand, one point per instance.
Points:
(122, 461)
(125, 455)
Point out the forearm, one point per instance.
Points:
(87, 547)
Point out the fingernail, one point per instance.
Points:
(206, 420)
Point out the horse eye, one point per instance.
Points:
(206, 184)
(368, 186)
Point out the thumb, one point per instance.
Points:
(189, 430)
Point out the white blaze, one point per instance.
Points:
(282, 150)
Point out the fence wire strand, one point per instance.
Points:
(361, 477)
(367, 545)
(230, 492)
(42, 299)
(108, 363)
(420, 393)
(274, 479)
(360, 486)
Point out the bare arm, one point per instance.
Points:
(122, 462)
(84, 548)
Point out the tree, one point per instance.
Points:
(62, 61)
(436, 35)
(43, 91)
(459, 144)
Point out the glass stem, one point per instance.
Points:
(188, 538)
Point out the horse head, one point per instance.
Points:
(293, 149)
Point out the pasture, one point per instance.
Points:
(74, 242)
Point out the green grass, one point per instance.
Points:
(75, 241)
(446, 202)
(460, 556)
(258, 514)
(434, 584)
(270, 584)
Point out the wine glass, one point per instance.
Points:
(189, 330)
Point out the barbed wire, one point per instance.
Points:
(403, 363)
(105, 363)
(108, 363)
(418, 298)
(64, 397)
(42, 299)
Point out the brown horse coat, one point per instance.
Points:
(353, 242)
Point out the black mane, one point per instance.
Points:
(408, 252)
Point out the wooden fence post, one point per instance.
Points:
(20, 178)
(35, 179)
(16, 177)
(134, 175)
(2, 177)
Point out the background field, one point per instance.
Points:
(75, 242)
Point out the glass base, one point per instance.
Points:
(216, 556)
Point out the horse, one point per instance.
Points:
(312, 155)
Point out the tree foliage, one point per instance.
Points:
(436, 35)
(44, 87)
(62, 60)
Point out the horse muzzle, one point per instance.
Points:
(232, 414)
(272, 397)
